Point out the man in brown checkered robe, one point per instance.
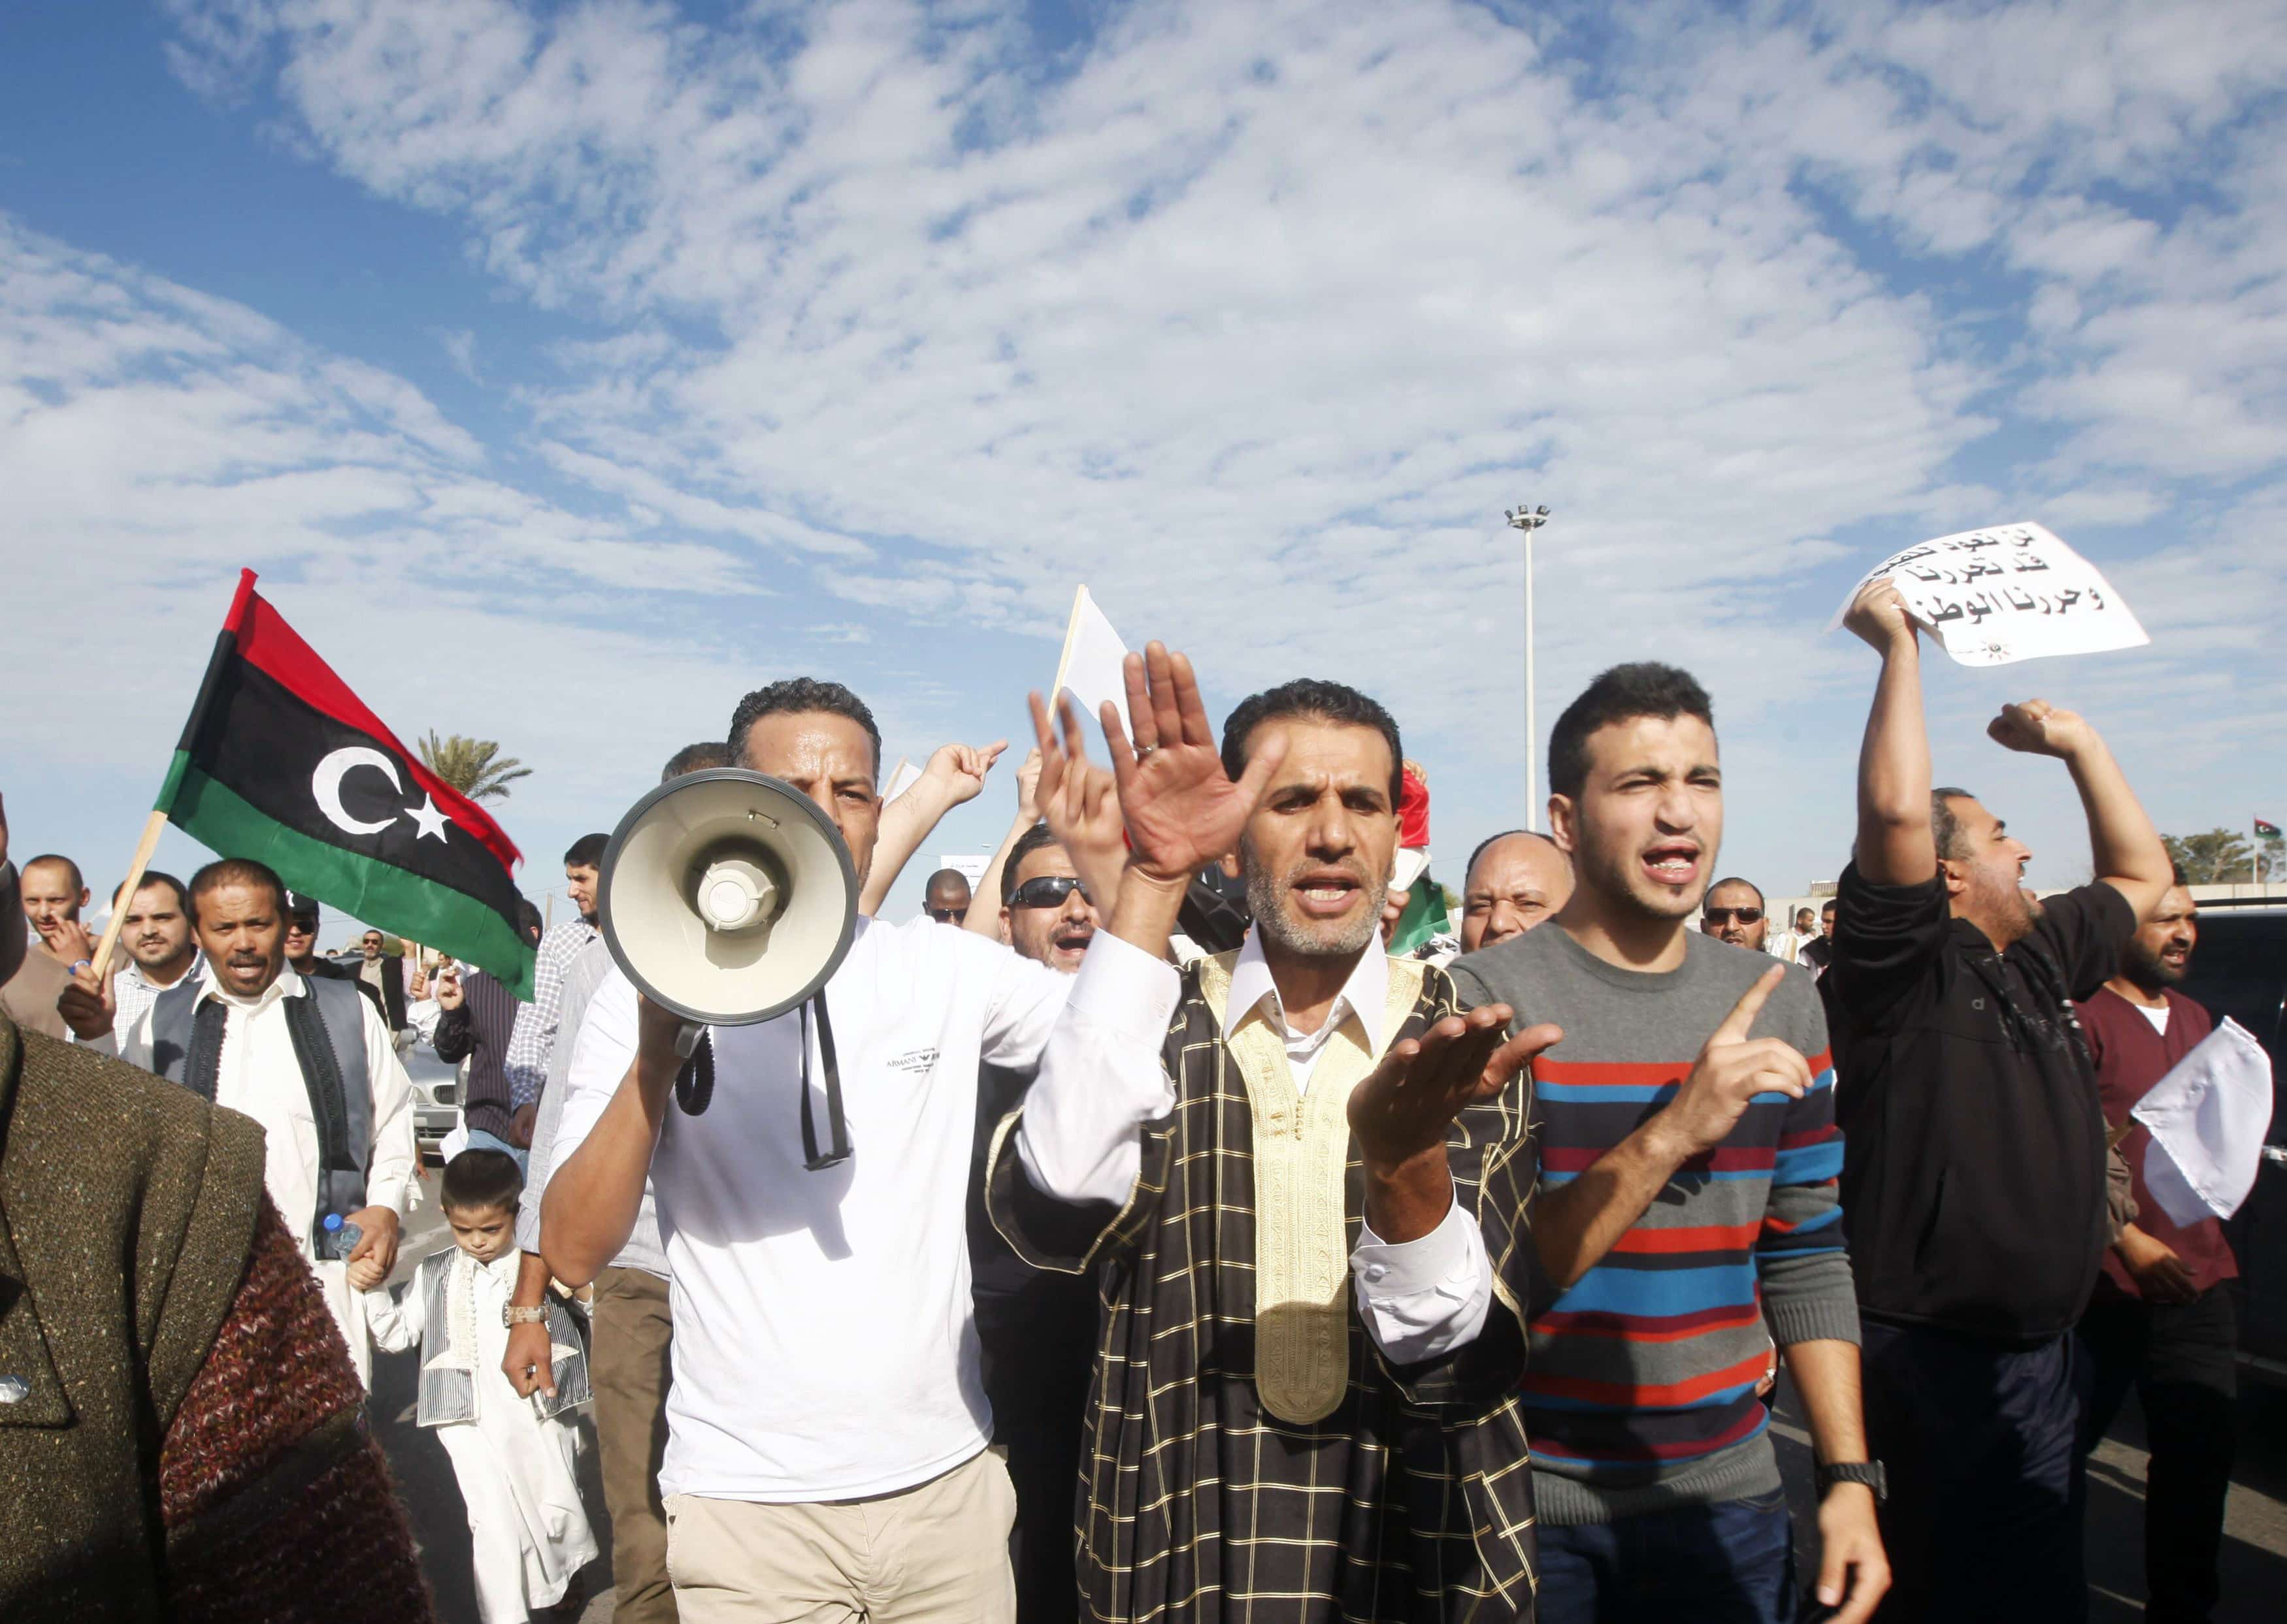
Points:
(1298, 1171)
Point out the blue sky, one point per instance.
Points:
(568, 370)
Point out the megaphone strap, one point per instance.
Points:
(695, 1084)
(837, 1125)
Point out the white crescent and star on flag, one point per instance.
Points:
(326, 787)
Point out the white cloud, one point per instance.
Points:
(1253, 317)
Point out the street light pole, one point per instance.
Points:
(1529, 521)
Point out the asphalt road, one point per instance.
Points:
(2255, 1544)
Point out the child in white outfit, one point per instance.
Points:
(513, 1455)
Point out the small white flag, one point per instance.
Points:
(902, 777)
(2009, 593)
(2207, 1118)
(1092, 667)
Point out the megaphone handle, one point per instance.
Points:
(686, 1039)
(837, 1126)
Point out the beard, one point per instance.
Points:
(2146, 968)
(1267, 899)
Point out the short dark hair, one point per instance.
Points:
(479, 1180)
(152, 876)
(1027, 843)
(1945, 828)
(1828, 909)
(236, 871)
(1645, 688)
(587, 852)
(792, 696)
(1732, 880)
(1320, 700)
(528, 922)
(694, 758)
(931, 884)
(78, 880)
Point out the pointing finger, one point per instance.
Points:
(1742, 1018)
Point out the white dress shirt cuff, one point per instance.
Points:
(1425, 1298)
(1100, 1077)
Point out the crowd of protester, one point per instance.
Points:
(1197, 1259)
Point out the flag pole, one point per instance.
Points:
(145, 849)
(1063, 660)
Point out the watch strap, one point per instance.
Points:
(1868, 1472)
(510, 1314)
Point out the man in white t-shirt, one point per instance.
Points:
(827, 1420)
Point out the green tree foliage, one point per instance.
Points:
(2221, 856)
(473, 766)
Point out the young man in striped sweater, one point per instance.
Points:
(1686, 1203)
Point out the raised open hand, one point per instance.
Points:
(1406, 1104)
(1076, 797)
(1183, 810)
(2037, 727)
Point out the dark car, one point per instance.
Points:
(2240, 970)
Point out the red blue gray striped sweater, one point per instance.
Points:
(1640, 1386)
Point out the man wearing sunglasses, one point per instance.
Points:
(945, 898)
(1038, 1329)
(1734, 913)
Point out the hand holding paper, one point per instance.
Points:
(1991, 596)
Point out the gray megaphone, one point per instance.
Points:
(728, 897)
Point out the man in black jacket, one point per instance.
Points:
(1974, 1168)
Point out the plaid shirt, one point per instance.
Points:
(136, 995)
(1412, 1501)
(534, 1041)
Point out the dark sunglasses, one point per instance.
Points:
(1048, 891)
(946, 915)
(1745, 916)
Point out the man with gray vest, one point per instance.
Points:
(309, 1059)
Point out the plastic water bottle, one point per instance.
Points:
(340, 1238)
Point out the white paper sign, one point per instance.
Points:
(2207, 1118)
(969, 865)
(2007, 592)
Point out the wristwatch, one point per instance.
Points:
(510, 1314)
(1868, 1472)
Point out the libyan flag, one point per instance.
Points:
(281, 763)
(2266, 831)
(1425, 916)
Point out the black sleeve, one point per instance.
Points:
(1886, 939)
(455, 1034)
(2081, 933)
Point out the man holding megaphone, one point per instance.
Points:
(827, 1420)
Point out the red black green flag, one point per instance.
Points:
(281, 762)
(2266, 831)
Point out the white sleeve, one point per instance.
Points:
(1026, 1000)
(1425, 1297)
(1101, 1079)
(601, 1054)
(396, 1321)
(393, 1159)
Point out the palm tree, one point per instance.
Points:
(473, 766)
